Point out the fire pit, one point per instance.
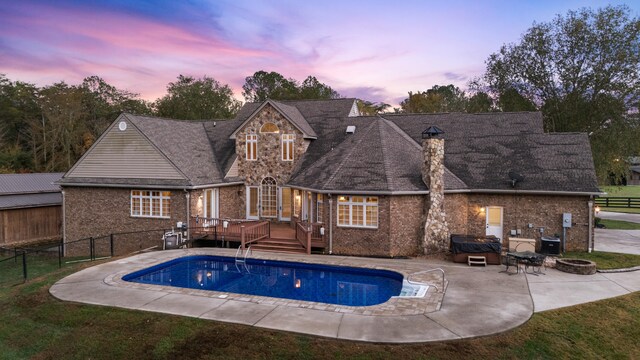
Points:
(576, 266)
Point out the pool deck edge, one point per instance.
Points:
(477, 302)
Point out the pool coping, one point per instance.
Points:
(476, 303)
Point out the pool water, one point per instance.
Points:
(297, 281)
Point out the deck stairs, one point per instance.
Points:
(280, 245)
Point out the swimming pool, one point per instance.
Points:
(297, 281)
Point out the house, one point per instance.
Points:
(30, 208)
(369, 184)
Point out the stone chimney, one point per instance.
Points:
(436, 230)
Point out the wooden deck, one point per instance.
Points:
(260, 235)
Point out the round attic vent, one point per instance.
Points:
(122, 126)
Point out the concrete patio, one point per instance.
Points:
(478, 301)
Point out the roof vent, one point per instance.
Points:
(515, 178)
(351, 129)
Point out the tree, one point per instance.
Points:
(582, 70)
(264, 85)
(447, 98)
(58, 136)
(479, 102)
(105, 102)
(368, 108)
(18, 103)
(311, 88)
(192, 99)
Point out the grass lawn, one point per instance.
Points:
(607, 260)
(619, 224)
(36, 325)
(621, 191)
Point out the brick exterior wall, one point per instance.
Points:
(232, 202)
(401, 221)
(406, 224)
(362, 241)
(99, 212)
(457, 209)
(539, 210)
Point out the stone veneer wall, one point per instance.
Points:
(406, 224)
(363, 241)
(269, 162)
(436, 230)
(539, 210)
(102, 211)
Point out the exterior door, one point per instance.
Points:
(494, 221)
(252, 202)
(285, 204)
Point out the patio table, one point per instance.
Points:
(526, 258)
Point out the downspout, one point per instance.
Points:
(188, 197)
(591, 245)
(64, 224)
(330, 225)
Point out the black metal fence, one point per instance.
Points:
(619, 202)
(21, 263)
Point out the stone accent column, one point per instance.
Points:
(436, 229)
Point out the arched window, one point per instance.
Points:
(269, 128)
(269, 197)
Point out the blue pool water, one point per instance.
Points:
(289, 280)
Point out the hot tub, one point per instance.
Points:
(463, 246)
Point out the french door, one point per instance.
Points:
(285, 204)
(252, 203)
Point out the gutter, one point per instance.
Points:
(461, 191)
(163, 187)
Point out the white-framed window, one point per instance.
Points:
(358, 211)
(252, 146)
(153, 204)
(269, 128)
(319, 208)
(287, 146)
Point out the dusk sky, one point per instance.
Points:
(374, 50)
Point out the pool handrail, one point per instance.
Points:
(424, 272)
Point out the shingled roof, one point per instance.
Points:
(29, 190)
(384, 154)
(378, 157)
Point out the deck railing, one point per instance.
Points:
(303, 235)
(254, 232)
(229, 229)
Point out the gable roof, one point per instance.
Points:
(156, 151)
(291, 113)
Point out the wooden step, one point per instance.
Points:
(280, 245)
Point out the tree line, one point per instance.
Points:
(581, 70)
